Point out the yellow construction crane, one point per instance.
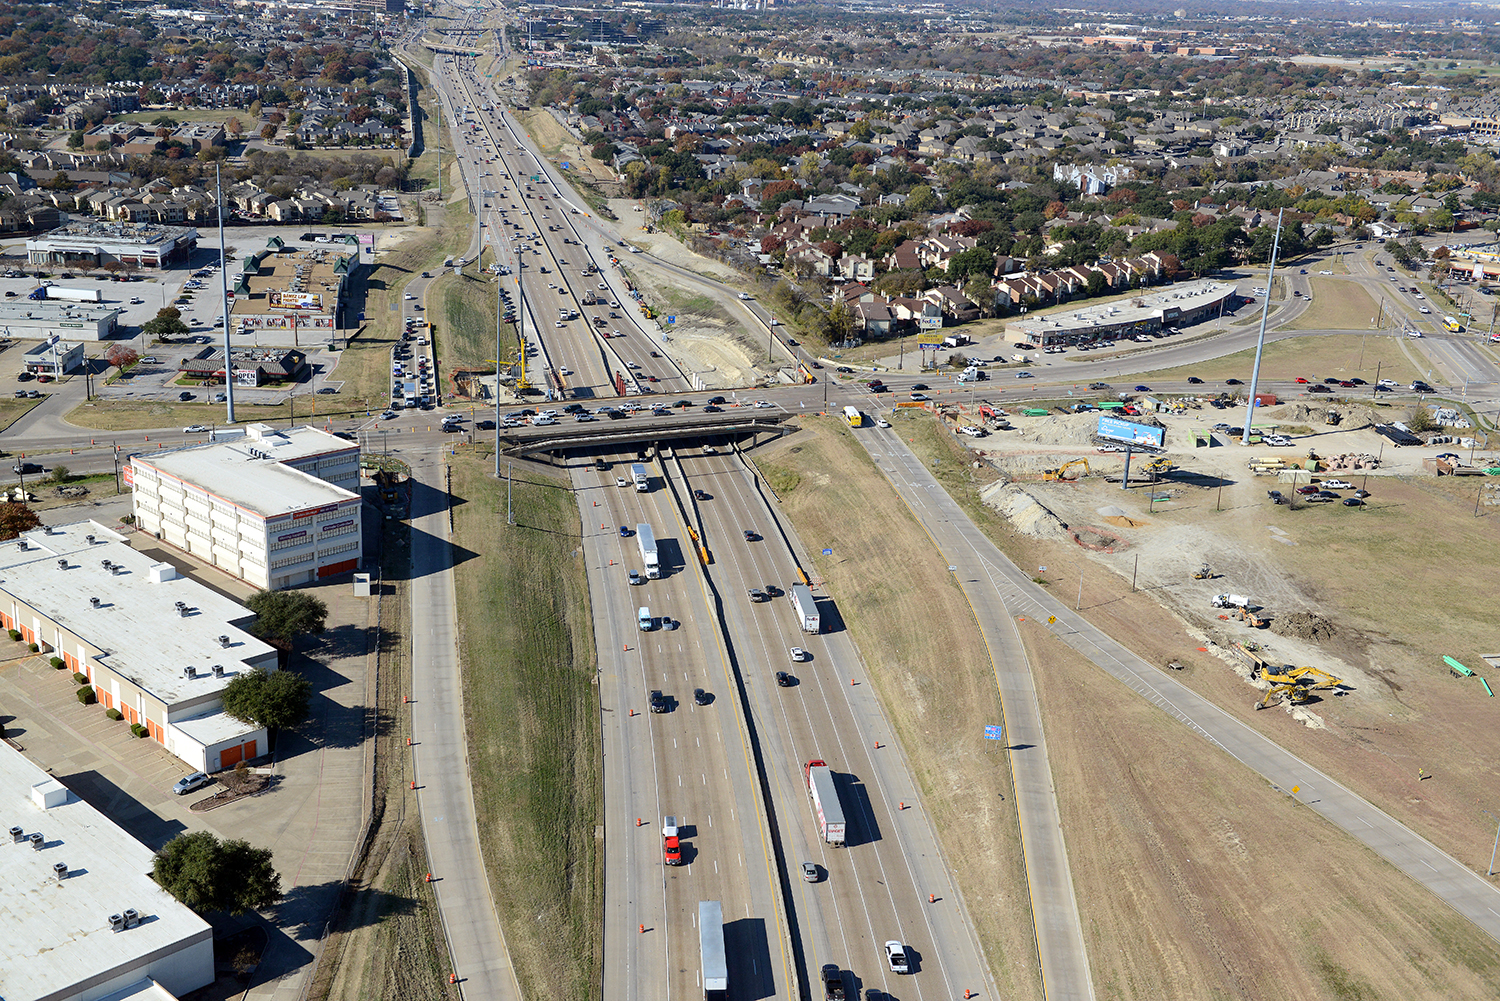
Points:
(1058, 473)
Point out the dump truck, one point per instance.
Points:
(711, 950)
(806, 608)
(638, 474)
(825, 801)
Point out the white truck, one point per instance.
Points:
(71, 294)
(825, 801)
(1230, 601)
(806, 607)
(638, 474)
(647, 543)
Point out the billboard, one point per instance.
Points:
(296, 300)
(933, 339)
(1130, 432)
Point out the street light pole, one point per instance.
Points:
(1491, 870)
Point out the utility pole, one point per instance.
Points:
(1260, 340)
(224, 297)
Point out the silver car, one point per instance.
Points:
(188, 783)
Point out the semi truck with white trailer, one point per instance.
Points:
(70, 294)
(638, 474)
(806, 607)
(647, 542)
(711, 950)
(825, 801)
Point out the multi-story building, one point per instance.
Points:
(275, 508)
(157, 646)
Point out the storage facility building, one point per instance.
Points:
(275, 508)
(84, 919)
(155, 645)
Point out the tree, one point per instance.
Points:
(211, 875)
(268, 132)
(975, 261)
(282, 616)
(1097, 283)
(15, 519)
(75, 139)
(276, 701)
(168, 323)
(121, 356)
(1420, 419)
(921, 199)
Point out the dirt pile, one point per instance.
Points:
(1028, 515)
(1354, 415)
(1304, 626)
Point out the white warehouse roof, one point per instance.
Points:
(57, 901)
(249, 471)
(137, 622)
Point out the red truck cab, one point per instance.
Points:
(672, 850)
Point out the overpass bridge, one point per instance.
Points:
(613, 435)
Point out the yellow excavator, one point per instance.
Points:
(1296, 684)
(1059, 473)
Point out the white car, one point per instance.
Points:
(1425, 309)
(882, 423)
(895, 954)
(565, 370)
(798, 655)
(408, 296)
(763, 404)
(1024, 375)
(746, 295)
(195, 429)
(1325, 272)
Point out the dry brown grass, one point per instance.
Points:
(933, 673)
(1195, 879)
(1337, 305)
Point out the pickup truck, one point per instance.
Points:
(1336, 485)
(833, 982)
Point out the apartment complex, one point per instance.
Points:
(275, 508)
(157, 646)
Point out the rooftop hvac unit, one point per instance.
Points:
(94, 602)
(36, 840)
(218, 670)
(117, 922)
(60, 870)
(224, 642)
(132, 917)
(190, 671)
(24, 546)
(89, 539)
(62, 564)
(17, 834)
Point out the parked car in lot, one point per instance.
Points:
(186, 784)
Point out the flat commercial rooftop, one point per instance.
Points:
(137, 622)
(58, 931)
(249, 471)
(15, 310)
(1124, 312)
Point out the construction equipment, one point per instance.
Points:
(1298, 685)
(1251, 619)
(1058, 473)
(1229, 601)
(1205, 572)
(1333, 418)
(1162, 465)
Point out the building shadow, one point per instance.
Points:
(133, 817)
(861, 827)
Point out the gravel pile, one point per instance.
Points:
(1304, 626)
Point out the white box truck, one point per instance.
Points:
(825, 801)
(647, 542)
(638, 474)
(806, 608)
(711, 950)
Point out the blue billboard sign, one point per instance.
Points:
(1128, 431)
(994, 732)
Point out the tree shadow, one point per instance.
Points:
(306, 909)
(129, 813)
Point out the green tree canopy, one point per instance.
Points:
(211, 875)
(276, 701)
(976, 261)
(282, 616)
(167, 323)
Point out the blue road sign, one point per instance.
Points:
(994, 732)
(828, 552)
(671, 319)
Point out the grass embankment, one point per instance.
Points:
(12, 410)
(386, 940)
(1345, 355)
(933, 674)
(1337, 306)
(466, 338)
(526, 641)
